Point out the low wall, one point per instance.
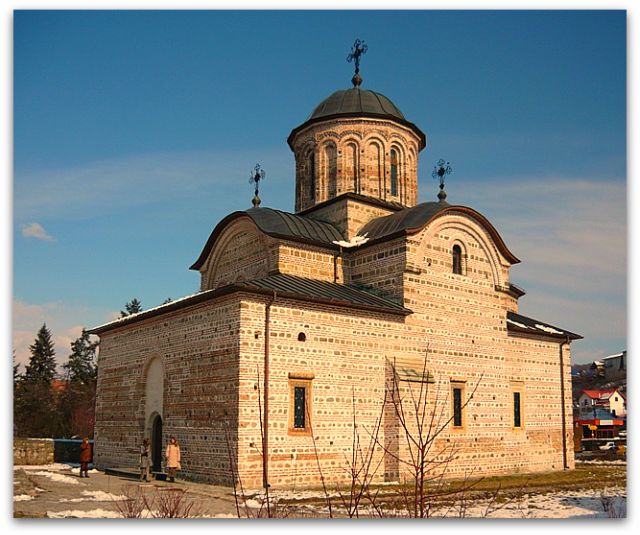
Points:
(33, 451)
(36, 451)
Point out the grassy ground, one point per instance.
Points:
(586, 477)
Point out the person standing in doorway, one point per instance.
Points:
(173, 458)
(144, 460)
(86, 456)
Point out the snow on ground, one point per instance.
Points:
(54, 476)
(601, 462)
(559, 504)
(22, 498)
(95, 496)
(53, 466)
(77, 513)
(77, 470)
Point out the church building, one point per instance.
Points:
(306, 320)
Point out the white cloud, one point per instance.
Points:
(63, 320)
(37, 231)
(103, 187)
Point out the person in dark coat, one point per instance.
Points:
(86, 456)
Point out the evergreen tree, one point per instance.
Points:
(42, 364)
(132, 307)
(81, 367)
(76, 404)
(35, 411)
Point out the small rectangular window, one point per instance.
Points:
(300, 398)
(299, 404)
(457, 407)
(517, 415)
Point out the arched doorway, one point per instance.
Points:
(156, 444)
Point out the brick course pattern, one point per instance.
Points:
(201, 367)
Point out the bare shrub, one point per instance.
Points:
(139, 502)
(172, 503)
(134, 503)
(614, 506)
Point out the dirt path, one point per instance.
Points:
(56, 491)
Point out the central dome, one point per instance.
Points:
(356, 101)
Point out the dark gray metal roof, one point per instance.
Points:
(285, 286)
(411, 220)
(284, 224)
(356, 102)
(279, 225)
(522, 324)
(324, 291)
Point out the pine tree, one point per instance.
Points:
(132, 307)
(42, 364)
(35, 411)
(81, 367)
(76, 405)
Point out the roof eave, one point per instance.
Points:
(364, 115)
(240, 288)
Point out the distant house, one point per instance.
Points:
(599, 424)
(615, 366)
(611, 400)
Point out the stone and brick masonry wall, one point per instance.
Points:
(198, 348)
(27, 451)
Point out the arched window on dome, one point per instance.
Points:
(457, 259)
(311, 169)
(393, 156)
(331, 165)
(353, 167)
(375, 178)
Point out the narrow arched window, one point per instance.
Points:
(312, 177)
(394, 172)
(354, 168)
(331, 170)
(457, 260)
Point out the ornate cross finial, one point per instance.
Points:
(358, 49)
(254, 178)
(440, 171)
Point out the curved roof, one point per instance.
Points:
(279, 225)
(356, 102)
(412, 220)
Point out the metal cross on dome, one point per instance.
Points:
(254, 178)
(440, 171)
(359, 48)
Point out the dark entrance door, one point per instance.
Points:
(156, 444)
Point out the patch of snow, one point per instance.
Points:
(603, 461)
(22, 498)
(356, 241)
(53, 466)
(76, 470)
(517, 324)
(159, 307)
(94, 496)
(548, 329)
(76, 513)
(54, 476)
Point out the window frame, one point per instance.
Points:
(300, 380)
(517, 388)
(457, 252)
(460, 386)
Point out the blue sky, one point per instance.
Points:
(135, 132)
